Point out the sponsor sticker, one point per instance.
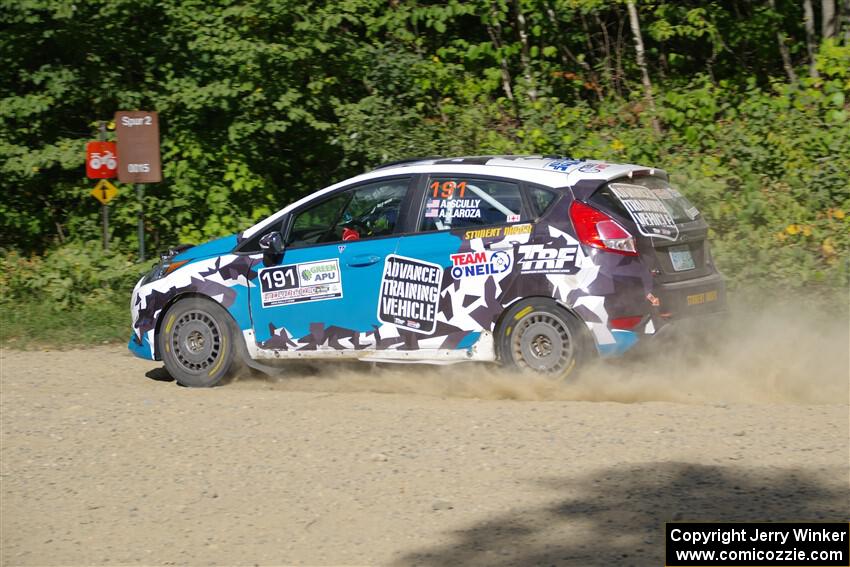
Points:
(497, 232)
(593, 167)
(410, 291)
(296, 283)
(540, 259)
(647, 210)
(700, 298)
(472, 264)
(563, 165)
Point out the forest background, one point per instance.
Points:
(745, 102)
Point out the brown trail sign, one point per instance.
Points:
(138, 156)
(138, 147)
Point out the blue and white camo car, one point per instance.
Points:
(539, 262)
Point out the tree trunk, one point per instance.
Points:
(641, 62)
(829, 22)
(811, 40)
(495, 32)
(783, 48)
(590, 49)
(567, 55)
(606, 51)
(524, 57)
(619, 64)
(845, 17)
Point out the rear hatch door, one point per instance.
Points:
(671, 235)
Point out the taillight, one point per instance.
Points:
(625, 323)
(597, 229)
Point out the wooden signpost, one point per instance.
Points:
(102, 163)
(139, 158)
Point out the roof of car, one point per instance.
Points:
(548, 170)
(575, 169)
(520, 160)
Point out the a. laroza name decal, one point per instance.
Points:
(647, 210)
(471, 264)
(294, 283)
(410, 291)
(453, 208)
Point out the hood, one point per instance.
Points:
(215, 247)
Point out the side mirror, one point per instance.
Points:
(272, 243)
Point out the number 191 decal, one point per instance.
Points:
(295, 283)
(446, 189)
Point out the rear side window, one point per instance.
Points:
(541, 199)
(459, 202)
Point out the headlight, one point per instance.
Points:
(163, 269)
(166, 264)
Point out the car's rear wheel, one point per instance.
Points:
(541, 337)
(197, 343)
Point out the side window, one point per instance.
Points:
(367, 211)
(458, 202)
(541, 198)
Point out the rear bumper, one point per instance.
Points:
(684, 309)
(690, 298)
(702, 324)
(689, 307)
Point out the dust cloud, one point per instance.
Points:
(773, 353)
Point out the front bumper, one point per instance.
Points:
(140, 343)
(141, 347)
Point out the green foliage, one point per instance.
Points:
(261, 102)
(35, 324)
(74, 295)
(67, 277)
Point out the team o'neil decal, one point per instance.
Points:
(295, 283)
(486, 263)
(410, 290)
(647, 210)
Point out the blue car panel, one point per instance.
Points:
(435, 293)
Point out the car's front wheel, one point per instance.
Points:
(197, 343)
(540, 336)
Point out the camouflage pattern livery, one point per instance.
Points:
(433, 297)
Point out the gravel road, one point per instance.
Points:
(105, 461)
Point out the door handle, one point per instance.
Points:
(501, 245)
(364, 260)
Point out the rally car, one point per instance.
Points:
(536, 262)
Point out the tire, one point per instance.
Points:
(539, 336)
(197, 343)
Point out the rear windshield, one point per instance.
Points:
(646, 196)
